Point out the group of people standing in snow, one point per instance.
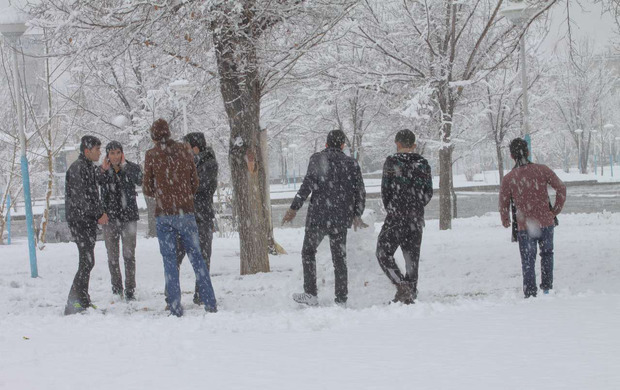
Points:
(182, 178)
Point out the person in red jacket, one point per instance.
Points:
(526, 186)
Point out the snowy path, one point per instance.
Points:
(470, 328)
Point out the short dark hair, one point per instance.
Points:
(336, 138)
(113, 145)
(519, 149)
(405, 137)
(196, 139)
(89, 142)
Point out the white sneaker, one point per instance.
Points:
(306, 299)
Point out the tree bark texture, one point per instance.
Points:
(240, 88)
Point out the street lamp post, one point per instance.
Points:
(579, 132)
(183, 90)
(519, 13)
(594, 131)
(12, 27)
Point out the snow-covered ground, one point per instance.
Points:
(470, 329)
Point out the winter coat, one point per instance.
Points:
(527, 186)
(338, 193)
(170, 177)
(118, 192)
(207, 168)
(82, 203)
(406, 186)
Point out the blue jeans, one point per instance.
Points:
(169, 227)
(527, 248)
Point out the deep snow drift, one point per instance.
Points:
(470, 328)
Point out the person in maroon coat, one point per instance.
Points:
(526, 187)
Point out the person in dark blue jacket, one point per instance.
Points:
(338, 200)
(406, 188)
(118, 194)
(84, 211)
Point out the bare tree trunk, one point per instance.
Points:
(445, 184)
(500, 161)
(240, 88)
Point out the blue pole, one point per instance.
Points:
(595, 165)
(8, 218)
(611, 164)
(294, 179)
(29, 219)
(528, 139)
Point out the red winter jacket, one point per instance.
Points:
(527, 185)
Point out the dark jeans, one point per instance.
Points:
(170, 227)
(126, 232)
(85, 235)
(338, 246)
(408, 236)
(527, 248)
(205, 234)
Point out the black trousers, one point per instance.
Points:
(85, 235)
(406, 235)
(338, 246)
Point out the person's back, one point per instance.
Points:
(338, 193)
(406, 186)
(171, 178)
(338, 200)
(527, 185)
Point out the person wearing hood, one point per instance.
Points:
(171, 178)
(406, 188)
(83, 210)
(207, 168)
(118, 195)
(338, 200)
(526, 186)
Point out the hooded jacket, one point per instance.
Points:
(207, 168)
(338, 194)
(406, 186)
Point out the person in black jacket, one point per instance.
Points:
(338, 200)
(206, 165)
(83, 212)
(406, 188)
(118, 194)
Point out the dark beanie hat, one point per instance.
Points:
(160, 130)
(336, 138)
(113, 145)
(196, 139)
